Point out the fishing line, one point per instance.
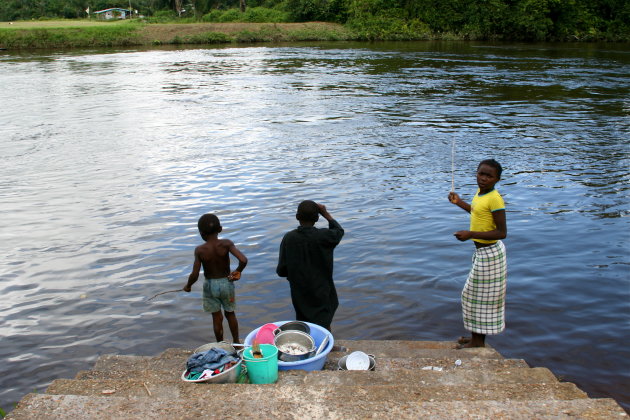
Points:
(453, 167)
(161, 293)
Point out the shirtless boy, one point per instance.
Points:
(218, 286)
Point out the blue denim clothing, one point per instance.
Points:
(211, 359)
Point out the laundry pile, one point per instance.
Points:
(209, 363)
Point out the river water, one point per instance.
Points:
(110, 156)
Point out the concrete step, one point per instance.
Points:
(177, 362)
(328, 393)
(380, 349)
(416, 354)
(299, 404)
(157, 363)
(367, 378)
(419, 377)
(416, 349)
(332, 363)
(388, 349)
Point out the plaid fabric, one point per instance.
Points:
(483, 297)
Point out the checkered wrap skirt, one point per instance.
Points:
(483, 297)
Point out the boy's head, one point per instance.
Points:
(494, 164)
(307, 212)
(208, 224)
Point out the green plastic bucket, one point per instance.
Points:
(265, 369)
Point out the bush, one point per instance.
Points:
(213, 16)
(252, 14)
(530, 20)
(376, 28)
(262, 14)
(162, 16)
(317, 10)
(231, 15)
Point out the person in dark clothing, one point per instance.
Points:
(306, 260)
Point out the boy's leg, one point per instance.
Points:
(213, 305)
(233, 323)
(217, 323)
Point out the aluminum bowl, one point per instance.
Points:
(293, 326)
(229, 376)
(342, 362)
(221, 345)
(295, 338)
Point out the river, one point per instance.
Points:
(109, 157)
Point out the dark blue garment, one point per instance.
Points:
(211, 359)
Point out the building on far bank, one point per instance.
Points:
(113, 13)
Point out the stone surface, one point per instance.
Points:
(482, 385)
(327, 392)
(299, 404)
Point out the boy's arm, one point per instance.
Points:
(454, 198)
(242, 262)
(324, 212)
(194, 275)
(281, 269)
(499, 233)
(333, 226)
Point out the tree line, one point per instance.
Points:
(528, 20)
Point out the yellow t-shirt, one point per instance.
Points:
(481, 209)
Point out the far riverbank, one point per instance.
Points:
(90, 33)
(81, 34)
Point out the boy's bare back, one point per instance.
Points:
(213, 255)
(215, 258)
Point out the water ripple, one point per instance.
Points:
(110, 158)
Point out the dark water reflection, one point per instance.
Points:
(109, 157)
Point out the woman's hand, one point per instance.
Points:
(463, 235)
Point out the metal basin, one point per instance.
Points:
(294, 345)
(293, 326)
(342, 362)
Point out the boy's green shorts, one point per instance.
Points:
(218, 293)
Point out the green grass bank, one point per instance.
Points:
(76, 33)
(81, 34)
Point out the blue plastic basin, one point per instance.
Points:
(314, 363)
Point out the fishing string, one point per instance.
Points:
(161, 293)
(453, 167)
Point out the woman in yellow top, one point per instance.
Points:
(483, 297)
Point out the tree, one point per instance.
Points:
(178, 5)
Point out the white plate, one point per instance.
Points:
(357, 360)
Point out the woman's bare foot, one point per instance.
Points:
(463, 340)
(468, 345)
(477, 340)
